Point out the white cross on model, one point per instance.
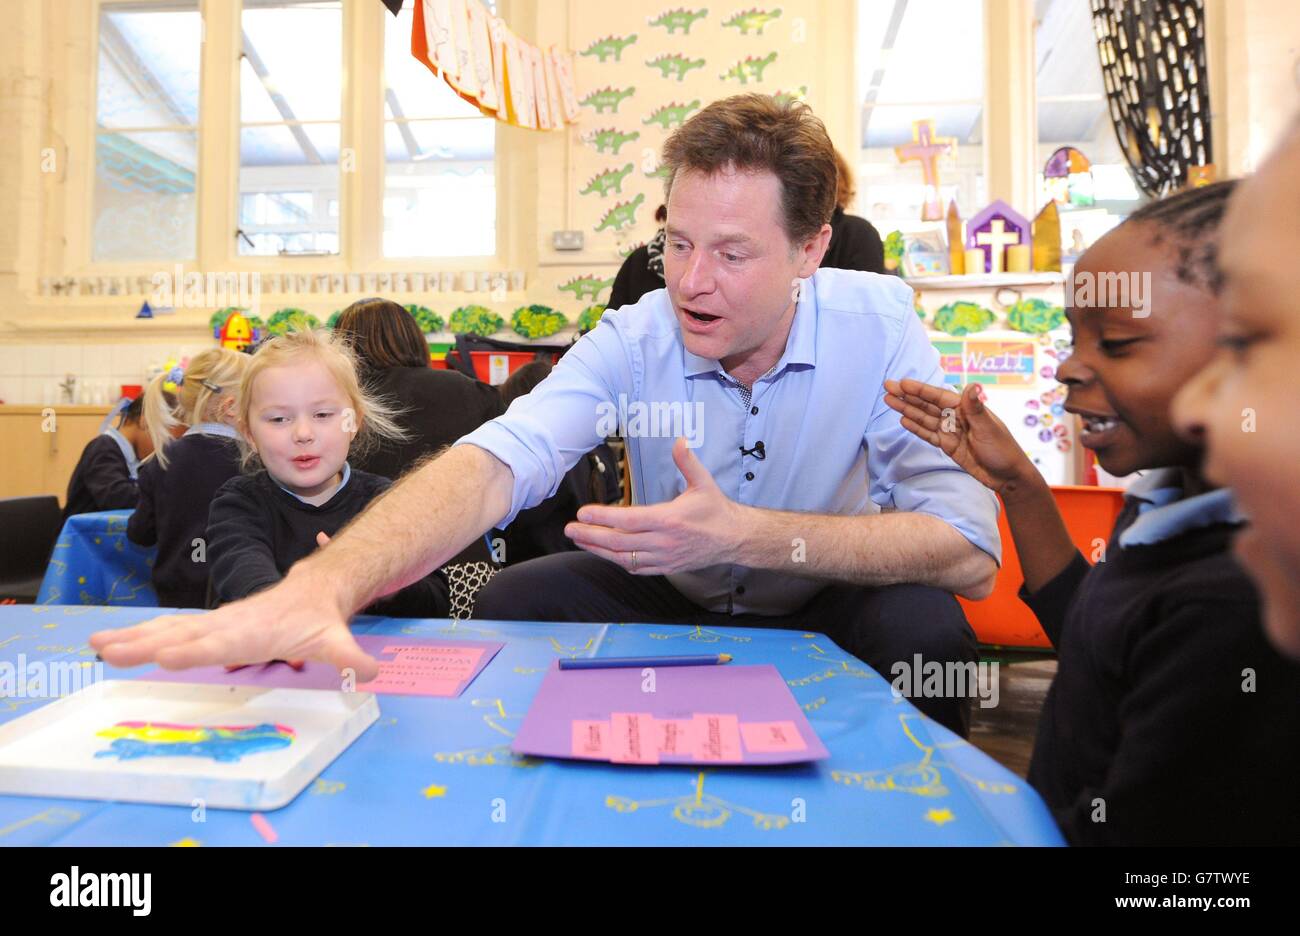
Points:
(997, 238)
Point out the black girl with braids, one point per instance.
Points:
(1171, 717)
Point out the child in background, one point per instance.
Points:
(1171, 718)
(106, 473)
(177, 485)
(1242, 406)
(301, 409)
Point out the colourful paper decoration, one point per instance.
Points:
(237, 333)
(963, 318)
(514, 81)
(926, 148)
(1068, 177)
(673, 20)
(537, 321)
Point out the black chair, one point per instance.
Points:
(29, 527)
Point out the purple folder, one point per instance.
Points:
(572, 706)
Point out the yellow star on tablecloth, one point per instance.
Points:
(186, 842)
(433, 790)
(939, 816)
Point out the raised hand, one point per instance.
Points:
(963, 428)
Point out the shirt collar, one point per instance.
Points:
(800, 344)
(347, 473)
(1164, 513)
(212, 428)
(128, 451)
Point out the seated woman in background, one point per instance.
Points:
(539, 531)
(105, 476)
(855, 242)
(434, 407)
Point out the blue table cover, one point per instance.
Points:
(93, 563)
(440, 771)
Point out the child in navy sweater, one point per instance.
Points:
(105, 476)
(301, 410)
(1171, 717)
(177, 485)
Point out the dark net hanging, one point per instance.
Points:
(1153, 67)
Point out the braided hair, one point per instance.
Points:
(1190, 220)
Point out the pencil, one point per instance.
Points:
(702, 659)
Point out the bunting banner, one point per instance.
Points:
(485, 63)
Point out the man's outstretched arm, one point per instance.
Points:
(426, 518)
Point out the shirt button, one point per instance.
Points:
(749, 476)
(753, 411)
(740, 589)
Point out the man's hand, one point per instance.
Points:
(294, 620)
(692, 531)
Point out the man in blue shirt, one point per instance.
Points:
(772, 485)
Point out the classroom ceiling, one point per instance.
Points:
(925, 58)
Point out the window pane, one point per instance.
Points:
(1093, 186)
(437, 168)
(422, 199)
(284, 195)
(144, 196)
(290, 106)
(295, 49)
(919, 60)
(147, 74)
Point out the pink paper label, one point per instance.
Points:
(632, 738)
(776, 737)
(452, 662)
(424, 670)
(591, 739)
(716, 738)
(673, 736)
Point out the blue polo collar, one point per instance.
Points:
(1164, 513)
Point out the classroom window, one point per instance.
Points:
(146, 132)
(290, 107)
(916, 60)
(1072, 113)
(439, 178)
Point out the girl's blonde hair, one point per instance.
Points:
(376, 418)
(211, 377)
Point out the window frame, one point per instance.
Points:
(361, 190)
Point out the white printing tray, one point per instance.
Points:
(53, 751)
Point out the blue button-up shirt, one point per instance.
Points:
(832, 446)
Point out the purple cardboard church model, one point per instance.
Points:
(992, 230)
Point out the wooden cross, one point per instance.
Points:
(996, 238)
(926, 148)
